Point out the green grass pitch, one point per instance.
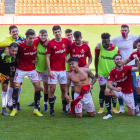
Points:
(25, 125)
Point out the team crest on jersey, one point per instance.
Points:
(34, 47)
(63, 45)
(123, 74)
(82, 51)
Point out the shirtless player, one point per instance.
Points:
(80, 77)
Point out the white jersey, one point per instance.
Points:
(125, 46)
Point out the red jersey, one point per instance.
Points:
(112, 47)
(123, 78)
(81, 52)
(27, 55)
(137, 53)
(58, 51)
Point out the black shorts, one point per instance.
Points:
(12, 71)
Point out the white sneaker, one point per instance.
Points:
(107, 116)
(121, 109)
(137, 109)
(138, 114)
(67, 107)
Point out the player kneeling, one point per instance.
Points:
(82, 96)
(122, 75)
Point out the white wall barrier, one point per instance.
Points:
(108, 19)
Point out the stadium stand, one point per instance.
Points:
(126, 6)
(58, 7)
(2, 7)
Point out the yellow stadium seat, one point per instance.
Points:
(114, 8)
(30, 11)
(131, 4)
(25, 8)
(43, 4)
(69, 4)
(90, 1)
(128, 11)
(21, 1)
(29, 1)
(126, 1)
(65, 8)
(25, 4)
(126, 4)
(47, 1)
(21, 8)
(25, 12)
(124, 12)
(34, 1)
(16, 8)
(131, 1)
(132, 8)
(119, 8)
(16, 4)
(91, 8)
(29, 4)
(43, 11)
(86, 1)
(51, 1)
(48, 12)
(25, 1)
(38, 4)
(122, 5)
(39, 12)
(134, 1)
(95, 4)
(43, 8)
(38, 8)
(118, 4)
(81, 1)
(120, 11)
(43, 1)
(133, 11)
(90, 4)
(99, 4)
(38, 1)
(78, 8)
(127, 8)
(115, 12)
(124, 8)
(52, 8)
(101, 12)
(117, 1)
(69, 1)
(21, 12)
(69, 8)
(56, 8)
(137, 12)
(17, 12)
(121, 1)
(94, 1)
(61, 8)
(34, 8)
(66, 12)
(74, 8)
(135, 4)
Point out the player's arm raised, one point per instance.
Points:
(68, 98)
(91, 75)
(135, 69)
(5, 43)
(126, 61)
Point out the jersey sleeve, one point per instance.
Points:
(6, 42)
(97, 51)
(68, 42)
(113, 41)
(111, 76)
(48, 48)
(37, 40)
(135, 37)
(88, 52)
(131, 56)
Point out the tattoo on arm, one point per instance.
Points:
(91, 75)
(89, 60)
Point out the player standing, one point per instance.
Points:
(55, 59)
(122, 75)
(26, 67)
(15, 36)
(80, 78)
(103, 65)
(5, 64)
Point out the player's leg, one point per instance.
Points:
(52, 86)
(62, 81)
(114, 101)
(101, 98)
(45, 84)
(18, 79)
(78, 107)
(88, 104)
(121, 105)
(134, 84)
(4, 86)
(34, 78)
(131, 112)
(130, 103)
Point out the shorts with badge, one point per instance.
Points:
(58, 75)
(43, 76)
(85, 102)
(127, 98)
(32, 75)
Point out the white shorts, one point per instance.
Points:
(58, 75)
(86, 101)
(43, 76)
(138, 81)
(103, 80)
(67, 73)
(19, 76)
(127, 98)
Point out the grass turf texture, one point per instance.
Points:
(25, 125)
